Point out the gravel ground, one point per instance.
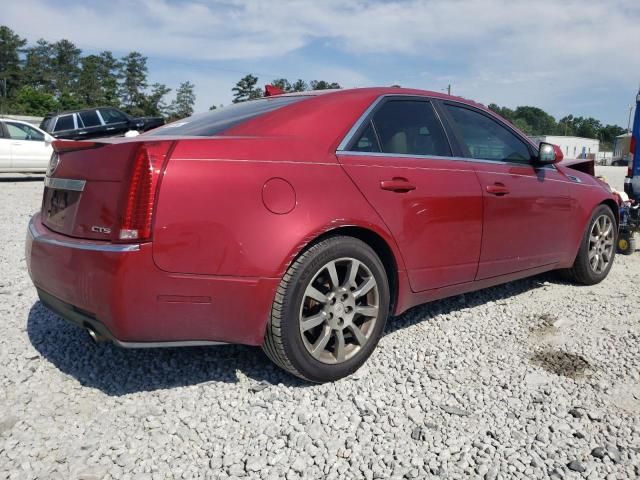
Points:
(534, 379)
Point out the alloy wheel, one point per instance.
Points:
(601, 244)
(339, 310)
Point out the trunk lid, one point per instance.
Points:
(85, 194)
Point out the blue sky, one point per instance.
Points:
(571, 56)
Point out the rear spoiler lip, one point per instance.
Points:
(61, 146)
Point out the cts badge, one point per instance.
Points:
(98, 229)
(53, 163)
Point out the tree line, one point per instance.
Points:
(49, 77)
(247, 87)
(535, 121)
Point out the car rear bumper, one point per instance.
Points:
(118, 291)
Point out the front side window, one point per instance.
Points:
(111, 115)
(486, 139)
(18, 131)
(410, 127)
(65, 122)
(90, 118)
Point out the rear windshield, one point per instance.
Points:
(216, 121)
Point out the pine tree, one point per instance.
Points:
(246, 89)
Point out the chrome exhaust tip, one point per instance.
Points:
(95, 336)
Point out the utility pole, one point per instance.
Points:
(449, 89)
(629, 122)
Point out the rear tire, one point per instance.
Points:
(597, 249)
(329, 311)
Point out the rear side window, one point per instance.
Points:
(65, 122)
(217, 121)
(486, 139)
(410, 127)
(111, 115)
(368, 142)
(90, 118)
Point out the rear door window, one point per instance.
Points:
(65, 122)
(111, 116)
(90, 118)
(410, 127)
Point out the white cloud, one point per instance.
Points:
(505, 51)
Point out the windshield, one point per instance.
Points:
(216, 121)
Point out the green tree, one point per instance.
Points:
(540, 121)
(66, 70)
(153, 103)
(608, 135)
(89, 89)
(134, 83)
(10, 64)
(565, 126)
(31, 101)
(246, 89)
(587, 127)
(283, 84)
(299, 86)
(522, 125)
(323, 85)
(109, 75)
(504, 112)
(38, 68)
(182, 106)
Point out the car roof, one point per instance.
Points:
(69, 112)
(379, 91)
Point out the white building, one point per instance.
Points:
(572, 147)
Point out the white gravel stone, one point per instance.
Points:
(515, 381)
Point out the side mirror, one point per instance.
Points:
(48, 138)
(549, 154)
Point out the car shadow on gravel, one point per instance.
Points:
(118, 371)
(445, 306)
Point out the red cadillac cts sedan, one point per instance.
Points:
(301, 222)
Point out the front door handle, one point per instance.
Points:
(397, 184)
(497, 189)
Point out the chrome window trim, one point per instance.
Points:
(436, 157)
(65, 183)
(94, 247)
(356, 126)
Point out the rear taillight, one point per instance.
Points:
(149, 163)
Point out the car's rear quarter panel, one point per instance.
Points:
(211, 218)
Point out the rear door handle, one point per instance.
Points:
(397, 184)
(497, 189)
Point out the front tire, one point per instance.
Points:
(597, 248)
(329, 310)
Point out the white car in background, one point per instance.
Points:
(23, 147)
